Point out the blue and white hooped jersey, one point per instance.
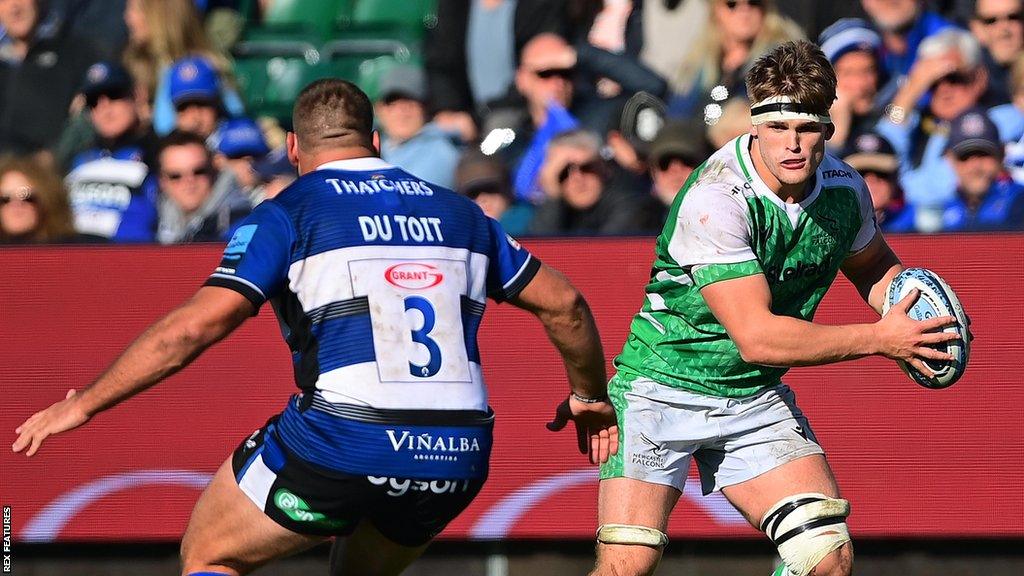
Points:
(379, 280)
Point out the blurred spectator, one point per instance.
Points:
(408, 140)
(632, 130)
(33, 206)
(950, 66)
(813, 16)
(161, 32)
(98, 20)
(611, 25)
(675, 153)
(663, 46)
(196, 204)
(735, 120)
(487, 181)
(875, 159)
(557, 83)
(111, 186)
(715, 69)
(998, 27)
(41, 67)
(987, 198)
(853, 49)
(903, 24)
(578, 201)
(275, 172)
(1009, 119)
(471, 55)
(241, 147)
(196, 95)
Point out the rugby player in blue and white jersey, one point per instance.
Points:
(379, 280)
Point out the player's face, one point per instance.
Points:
(19, 206)
(186, 176)
(113, 115)
(791, 150)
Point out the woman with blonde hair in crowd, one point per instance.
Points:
(33, 205)
(737, 32)
(159, 33)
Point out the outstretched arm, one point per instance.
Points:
(166, 347)
(571, 328)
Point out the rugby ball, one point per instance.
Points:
(936, 299)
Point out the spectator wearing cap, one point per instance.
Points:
(999, 27)
(987, 198)
(240, 148)
(632, 129)
(408, 140)
(853, 49)
(197, 204)
(578, 201)
(41, 68)
(487, 182)
(949, 77)
(111, 185)
(871, 155)
(195, 93)
(556, 85)
(903, 25)
(675, 153)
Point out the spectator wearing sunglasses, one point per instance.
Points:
(408, 140)
(33, 206)
(986, 197)
(735, 34)
(487, 181)
(41, 67)
(874, 158)
(196, 203)
(578, 200)
(948, 79)
(111, 185)
(998, 26)
(675, 153)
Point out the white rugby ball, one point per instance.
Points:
(936, 299)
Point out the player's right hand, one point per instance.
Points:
(597, 430)
(900, 337)
(60, 417)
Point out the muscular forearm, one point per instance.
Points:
(575, 335)
(163, 349)
(786, 341)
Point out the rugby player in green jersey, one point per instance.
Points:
(753, 241)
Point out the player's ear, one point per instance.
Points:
(376, 142)
(292, 146)
(830, 130)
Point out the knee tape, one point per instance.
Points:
(806, 528)
(635, 535)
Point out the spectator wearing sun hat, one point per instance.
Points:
(853, 49)
(871, 155)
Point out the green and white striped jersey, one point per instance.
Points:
(725, 223)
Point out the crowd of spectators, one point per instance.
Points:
(122, 120)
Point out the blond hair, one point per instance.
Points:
(701, 68)
(55, 222)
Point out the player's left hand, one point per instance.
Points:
(597, 430)
(60, 417)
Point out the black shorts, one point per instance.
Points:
(308, 499)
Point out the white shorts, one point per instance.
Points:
(732, 439)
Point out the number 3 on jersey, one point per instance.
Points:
(416, 314)
(422, 336)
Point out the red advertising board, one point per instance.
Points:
(913, 462)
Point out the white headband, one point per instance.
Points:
(785, 108)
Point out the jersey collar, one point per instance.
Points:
(356, 164)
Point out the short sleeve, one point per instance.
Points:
(511, 266)
(712, 237)
(868, 225)
(256, 259)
